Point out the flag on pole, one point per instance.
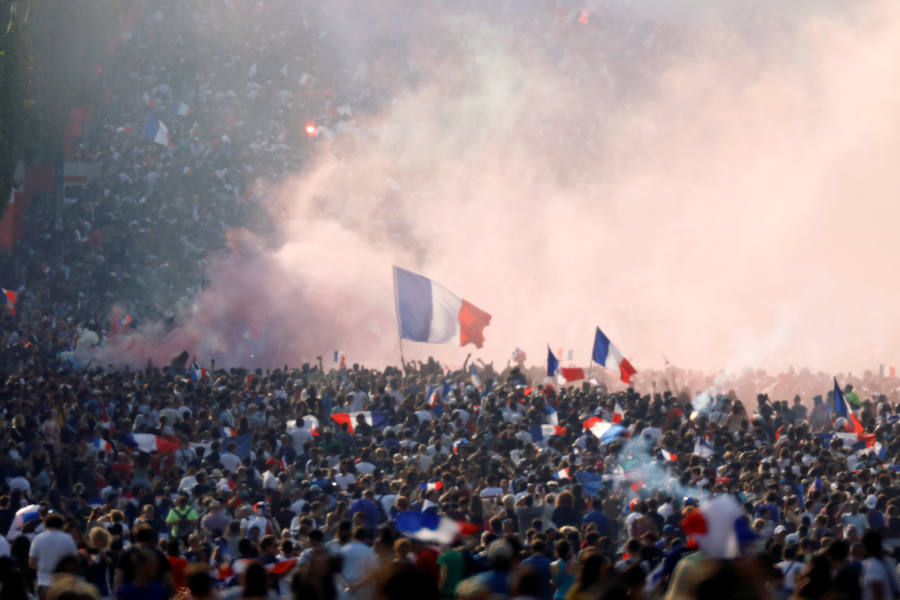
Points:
(340, 358)
(842, 409)
(606, 354)
(428, 312)
(10, 297)
(552, 363)
(887, 371)
(155, 130)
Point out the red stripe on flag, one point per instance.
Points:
(626, 370)
(572, 373)
(472, 321)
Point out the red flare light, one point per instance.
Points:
(311, 129)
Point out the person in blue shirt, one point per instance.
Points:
(598, 517)
(500, 555)
(366, 506)
(540, 564)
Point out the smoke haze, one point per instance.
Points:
(716, 184)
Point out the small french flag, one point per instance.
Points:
(459, 444)
(431, 487)
(667, 456)
(181, 109)
(618, 413)
(340, 358)
(102, 445)
(229, 432)
(562, 474)
(126, 320)
(552, 417)
(198, 373)
(155, 130)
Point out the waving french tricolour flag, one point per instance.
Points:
(147, 442)
(102, 445)
(198, 373)
(375, 419)
(180, 109)
(427, 526)
(540, 432)
(618, 413)
(606, 354)
(562, 474)
(23, 517)
(428, 312)
(155, 130)
(842, 409)
(229, 432)
(433, 486)
(702, 448)
(603, 430)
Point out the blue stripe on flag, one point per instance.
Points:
(414, 305)
(601, 347)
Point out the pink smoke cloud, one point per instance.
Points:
(722, 194)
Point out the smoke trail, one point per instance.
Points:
(712, 183)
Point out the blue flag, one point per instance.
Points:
(243, 445)
(840, 407)
(592, 483)
(552, 363)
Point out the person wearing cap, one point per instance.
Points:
(215, 521)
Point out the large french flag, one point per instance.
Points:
(374, 418)
(155, 130)
(428, 312)
(606, 354)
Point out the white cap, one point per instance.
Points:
(871, 501)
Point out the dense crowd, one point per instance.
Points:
(359, 483)
(328, 481)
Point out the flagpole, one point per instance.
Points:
(399, 329)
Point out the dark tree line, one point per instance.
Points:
(49, 55)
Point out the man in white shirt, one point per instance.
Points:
(359, 563)
(790, 567)
(229, 459)
(47, 549)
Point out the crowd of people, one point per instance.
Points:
(345, 482)
(359, 483)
